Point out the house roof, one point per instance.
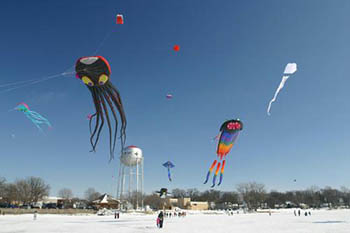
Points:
(105, 199)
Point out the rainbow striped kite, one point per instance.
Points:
(229, 132)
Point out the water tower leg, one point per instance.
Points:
(137, 185)
(142, 183)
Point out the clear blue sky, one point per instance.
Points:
(231, 60)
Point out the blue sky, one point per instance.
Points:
(231, 61)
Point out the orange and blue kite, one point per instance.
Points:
(229, 132)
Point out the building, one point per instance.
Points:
(184, 203)
(106, 201)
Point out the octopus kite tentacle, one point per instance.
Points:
(90, 121)
(117, 101)
(98, 127)
(107, 97)
(109, 127)
(210, 170)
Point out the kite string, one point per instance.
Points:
(107, 35)
(34, 81)
(37, 81)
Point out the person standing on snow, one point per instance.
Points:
(160, 219)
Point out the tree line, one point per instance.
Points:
(254, 195)
(30, 190)
(250, 195)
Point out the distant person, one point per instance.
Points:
(305, 213)
(309, 213)
(299, 212)
(295, 213)
(35, 215)
(160, 219)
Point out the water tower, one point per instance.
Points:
(130, 178)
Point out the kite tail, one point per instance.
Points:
(210, 170)
(169, 176)
(222, 171)
(216, 173)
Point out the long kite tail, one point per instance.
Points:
(210, 170)
(216, 173)
(222, 171)
(169, 176)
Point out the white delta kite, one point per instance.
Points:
(291, 68)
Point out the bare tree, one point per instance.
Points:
(230, 197)
(10, 193)
(135, 199)
(91, 194)
(210, 196)
(154, 201)
(2, 187)
(193, 194)
(23, 191)
(65, 193)
(253, 194)
(38, 188)
(330, 195)
(345, 195)
(178, 193)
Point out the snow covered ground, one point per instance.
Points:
(321, 221)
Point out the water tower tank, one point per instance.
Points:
(131, 156)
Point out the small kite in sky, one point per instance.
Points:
(168, 165)
(169, 96)
(229, 132)
(176, 48)
(35, 117)
(120, 19)
(95, 73)
(291, 68)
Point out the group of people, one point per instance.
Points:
(306, 213)
(175, 214)
(162, 215)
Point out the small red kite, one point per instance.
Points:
(120, 19)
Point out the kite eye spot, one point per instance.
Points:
(87, 81)
(102, 79)
(231, 126)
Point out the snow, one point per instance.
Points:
(321, 221)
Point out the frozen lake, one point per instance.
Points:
(322, 221)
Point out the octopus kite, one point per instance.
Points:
(95, 74)
(229, 132)
(35, 117)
